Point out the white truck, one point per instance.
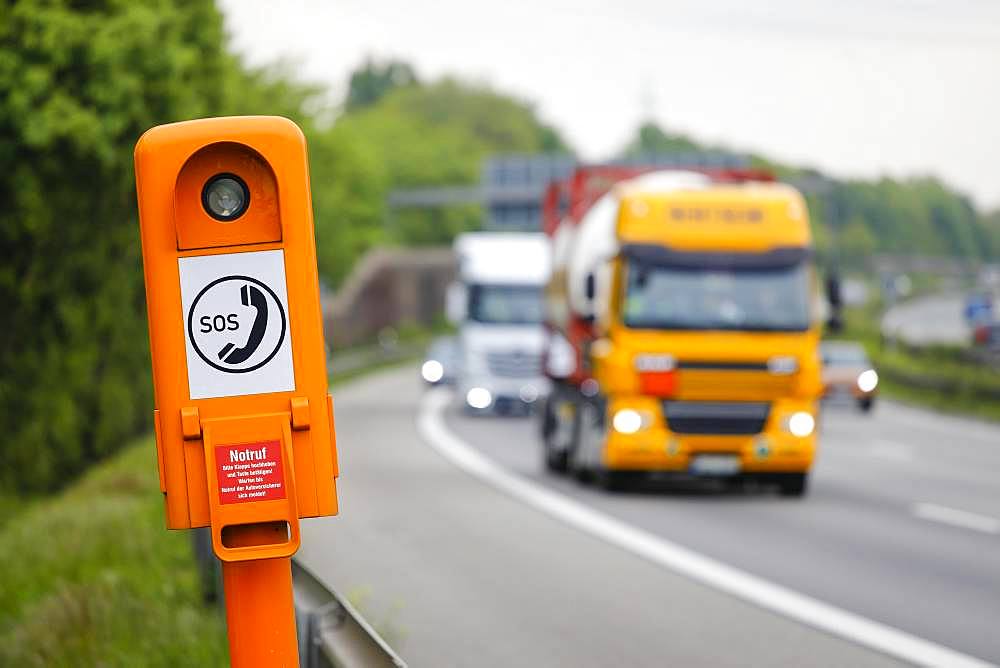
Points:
(496, 303)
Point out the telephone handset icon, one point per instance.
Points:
(249, 296)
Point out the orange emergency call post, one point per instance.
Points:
(244, 425)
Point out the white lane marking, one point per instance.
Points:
(956, 517)
(715, 574)
(891, 450)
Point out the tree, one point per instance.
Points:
(855, 243)
(372, 81)
(425, 135)
(652, 139)
(81, 82)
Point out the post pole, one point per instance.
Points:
(260, 610)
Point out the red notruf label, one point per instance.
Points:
(250, 472)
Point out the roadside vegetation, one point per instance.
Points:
(392, 347)
(942, 377)
(92, 578)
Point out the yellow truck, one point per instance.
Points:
(683, 328)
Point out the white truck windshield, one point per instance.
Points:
(505, 304)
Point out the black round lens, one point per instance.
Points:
(225, 197)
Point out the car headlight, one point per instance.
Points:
(867, 380)
(478, 397)
(432, 371)
(801, 424)
(627, 421)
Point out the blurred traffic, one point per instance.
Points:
(848, 374)
(441, 363)
(496, 306)
(671, 338)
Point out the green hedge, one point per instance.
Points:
(81, 82)
(92, 578)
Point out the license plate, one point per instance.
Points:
(715, 465)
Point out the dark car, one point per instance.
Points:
(848, 373)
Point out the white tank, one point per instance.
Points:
(587, 248)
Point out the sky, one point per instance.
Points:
(858, 88)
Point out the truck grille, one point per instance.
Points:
(716, 417)
(736, 385)
(514, 364)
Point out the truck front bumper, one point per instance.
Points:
(655, 448)
(505, 394)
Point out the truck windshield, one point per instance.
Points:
(662, 297)
(505, 304)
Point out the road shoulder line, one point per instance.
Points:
(956, 518)
(681, 560)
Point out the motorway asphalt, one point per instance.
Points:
(867, 538)
(455, 572)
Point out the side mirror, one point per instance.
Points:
(834, 297)
(455, 303)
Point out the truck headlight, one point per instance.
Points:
(478, 397)
(432, 371)
(627, 421)
(801, 424)
(867, 380)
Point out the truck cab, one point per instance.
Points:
(703, 357)
(496, 303)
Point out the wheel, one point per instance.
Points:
(556, 460)
(547, 423)
(585, 432)
(556, 457)
(612, 481)
(866, 404)
(792, 484)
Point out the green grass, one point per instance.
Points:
(411, 340)
(91, 577)
(11, 505)
(962, 404)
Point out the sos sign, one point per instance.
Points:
(236, 323)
